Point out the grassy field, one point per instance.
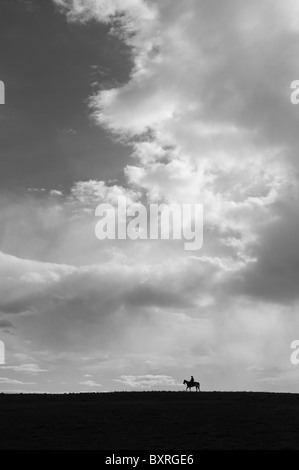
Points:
(150, 421)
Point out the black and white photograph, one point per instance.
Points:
(149, 227)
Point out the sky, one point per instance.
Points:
(159, 102)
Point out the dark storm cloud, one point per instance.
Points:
(24, 304)
(50, 68)
(6, 324)
(274, 276)
(147, 295)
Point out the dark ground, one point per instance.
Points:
(150, 421)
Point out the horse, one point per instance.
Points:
(190, 384)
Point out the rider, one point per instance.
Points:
(192, 380)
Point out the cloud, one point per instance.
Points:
(107, 10)
(6, 381)
(31, 369)
(147, 381)
(6, 324)
(273, 275)
(90, 383)
(207, 111)
(55, 192)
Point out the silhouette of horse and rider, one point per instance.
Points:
(191, 383)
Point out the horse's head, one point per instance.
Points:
(185, 381)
